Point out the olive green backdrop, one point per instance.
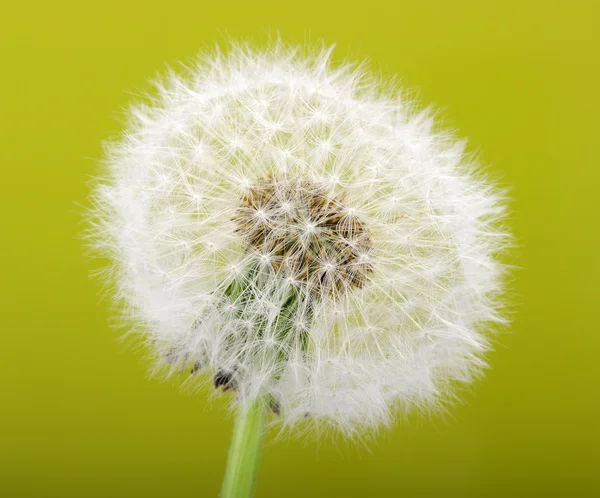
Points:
(78, 416)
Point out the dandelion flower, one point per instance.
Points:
(303, 234)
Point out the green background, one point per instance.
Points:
(78, 416)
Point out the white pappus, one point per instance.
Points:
(302, 233)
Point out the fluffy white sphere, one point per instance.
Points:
(303, 235)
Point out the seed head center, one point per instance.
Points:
(311, 237)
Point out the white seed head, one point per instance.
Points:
(303, 235)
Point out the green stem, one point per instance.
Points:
(245, 450)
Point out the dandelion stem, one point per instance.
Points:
(245, 450)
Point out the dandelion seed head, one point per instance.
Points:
(302, 233)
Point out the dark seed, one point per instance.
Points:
(275, 407)
(224, 380)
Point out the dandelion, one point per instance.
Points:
(305, 236)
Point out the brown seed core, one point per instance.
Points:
(303, 234)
